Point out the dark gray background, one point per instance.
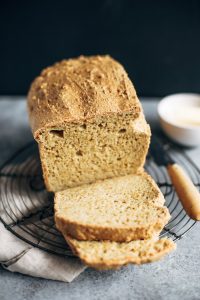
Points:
(157, 41)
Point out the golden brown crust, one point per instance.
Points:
(80, 89)
(150, 251)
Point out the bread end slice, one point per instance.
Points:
(105, 255)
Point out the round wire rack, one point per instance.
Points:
(26, 208)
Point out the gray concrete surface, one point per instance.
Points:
(175, 277)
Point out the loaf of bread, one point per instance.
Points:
(93, 140)
(119, 209)
(104, 255)
(88, 122)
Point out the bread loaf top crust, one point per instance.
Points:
(78, 90)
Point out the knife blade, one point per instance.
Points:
(184, 187)
(159, 154)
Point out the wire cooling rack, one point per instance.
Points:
(26, 208)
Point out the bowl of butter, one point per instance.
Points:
(179, 116)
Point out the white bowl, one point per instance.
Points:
(179, 116)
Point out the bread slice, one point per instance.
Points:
(88, 122)
(120, 209)
(105, 255)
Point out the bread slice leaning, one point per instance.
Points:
(121, 209)
(104, 255)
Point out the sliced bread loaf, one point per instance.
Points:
(120, 209)
(88, 122)
(104, 255)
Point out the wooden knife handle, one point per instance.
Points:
(186, 191)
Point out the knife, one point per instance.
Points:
(184, 187)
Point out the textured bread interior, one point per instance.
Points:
(109, 255)
(119, 209)
(75, 154)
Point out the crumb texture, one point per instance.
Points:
(77, 154)
(119, 209)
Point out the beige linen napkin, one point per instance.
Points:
(18, 256)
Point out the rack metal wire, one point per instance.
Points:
(26, 208)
